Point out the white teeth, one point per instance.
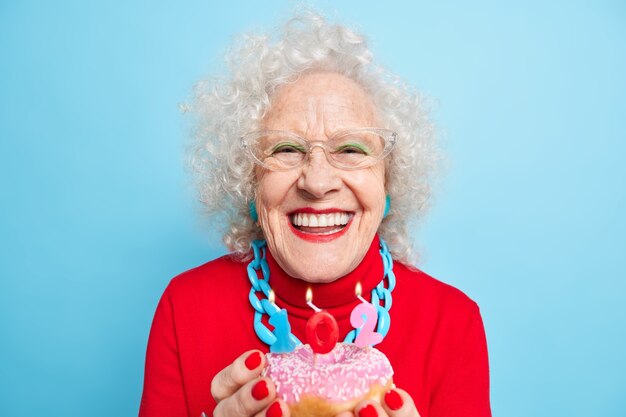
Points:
(320, 220)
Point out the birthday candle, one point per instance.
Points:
(364, 317)
(322, 331)
(282, 329)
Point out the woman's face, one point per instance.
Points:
(315, 107)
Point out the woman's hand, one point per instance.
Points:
(396, 403)
(239, 390)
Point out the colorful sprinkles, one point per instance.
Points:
(345, 373)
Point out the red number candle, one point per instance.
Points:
(322, 331)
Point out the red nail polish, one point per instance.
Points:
(274, 410)
(253, 360)
(393, 400)
(259, 390)
(368, 411)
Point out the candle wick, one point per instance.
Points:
(313, 306)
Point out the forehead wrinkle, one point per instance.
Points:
(330, 118)
(321, 108)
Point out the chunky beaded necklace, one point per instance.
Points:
(262, 305)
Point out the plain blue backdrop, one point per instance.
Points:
(97, 213)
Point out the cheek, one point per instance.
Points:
(272, 190)
(369, 189)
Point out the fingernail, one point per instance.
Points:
(274, 410)
(393, 400)
(259, 390)
(253, 360)
(368, 411)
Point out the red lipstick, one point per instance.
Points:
(316, 211)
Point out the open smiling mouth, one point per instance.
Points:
(320, 224)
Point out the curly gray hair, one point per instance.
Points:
(227, 107)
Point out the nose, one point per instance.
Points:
(318, 177)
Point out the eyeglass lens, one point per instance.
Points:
(280, 150)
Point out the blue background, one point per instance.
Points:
(97, 213)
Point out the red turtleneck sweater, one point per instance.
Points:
(436, 342)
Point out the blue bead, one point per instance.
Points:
(269, 308)
(265, 268)
(262, 331)
(375, 298)
(387, 297)
(379, 290)
(383, 321)
(254, 280)
(265, 287)
(385, 262)
(254, 300)
(392, 280)
(256, 247)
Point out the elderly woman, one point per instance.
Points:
(317, 157)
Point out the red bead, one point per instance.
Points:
(322, 332)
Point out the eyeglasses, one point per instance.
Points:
(351, 149)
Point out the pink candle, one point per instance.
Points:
(364, 317)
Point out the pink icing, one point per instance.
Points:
(344, 373)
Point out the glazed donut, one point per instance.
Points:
(325, 385)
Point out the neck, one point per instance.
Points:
(291, 292)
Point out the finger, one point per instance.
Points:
(345, 414)
(276, 409)
(248, 400)
(244, 369)
(398, 403)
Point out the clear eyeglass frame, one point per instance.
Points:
(250, 142)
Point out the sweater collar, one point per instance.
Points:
(332, 295)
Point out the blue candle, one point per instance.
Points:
(282, 330)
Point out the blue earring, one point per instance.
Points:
(387, 205)
(253, 214)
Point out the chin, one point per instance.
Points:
(321, 258)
